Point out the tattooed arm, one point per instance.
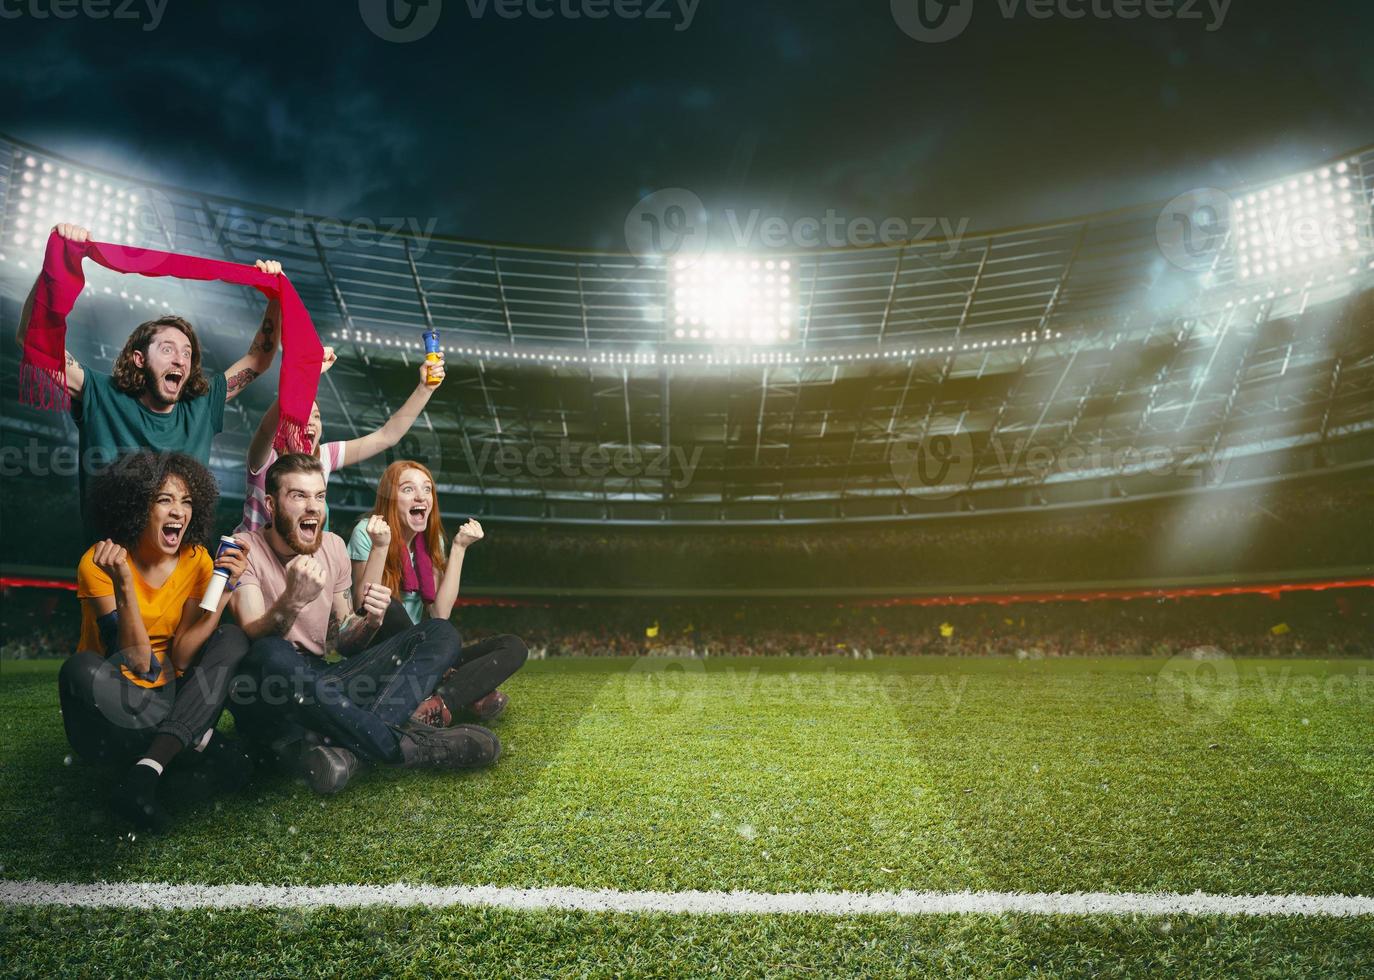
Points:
(350, 630)
(264, 347)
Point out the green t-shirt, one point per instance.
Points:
(110, 423)
(360, 546)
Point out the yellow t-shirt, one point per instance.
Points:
(161, 607)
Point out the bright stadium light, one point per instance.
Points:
(52, 193)
(1297, 224)
(732, 300)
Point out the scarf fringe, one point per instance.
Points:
(290, 436)
(43, 387)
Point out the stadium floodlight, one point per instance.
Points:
(731, 300)
(53, 193)
(1300, 223)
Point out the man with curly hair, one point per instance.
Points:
(152, 669)
(157, 395)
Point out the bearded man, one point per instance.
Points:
(295, 602)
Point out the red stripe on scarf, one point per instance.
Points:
(43, 372)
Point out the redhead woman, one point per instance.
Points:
(402, 545)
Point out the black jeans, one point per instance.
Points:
(359, 703)
(110, 720)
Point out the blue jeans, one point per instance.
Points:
(359, 703)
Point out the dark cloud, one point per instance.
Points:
(548, 131)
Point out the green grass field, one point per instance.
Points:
(771, 775)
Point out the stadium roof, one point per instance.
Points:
(1049, 362)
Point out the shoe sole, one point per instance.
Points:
(326, 774)
(479, 678)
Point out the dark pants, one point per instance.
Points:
(359, 703)
(485, 666)
(110, 720)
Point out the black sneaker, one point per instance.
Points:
(223, 766)
(135, 799)
(328, 768)
(459, 747)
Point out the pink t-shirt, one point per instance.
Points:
(331, 457)
(266, 571)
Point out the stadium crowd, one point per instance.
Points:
(1337, 624)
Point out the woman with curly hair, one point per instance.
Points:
(152, 669)
(401, 545)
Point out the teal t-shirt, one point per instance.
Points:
(110, 422)
(360, 546)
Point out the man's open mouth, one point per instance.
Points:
(309, 528)
(171, 533)
(172, 380)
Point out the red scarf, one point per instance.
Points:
(43, 372)
(418, 576)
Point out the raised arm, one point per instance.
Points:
(130, 636)
(380, 440)
(242, 372)
(305, 579)
(447, 592)
(370, 571)
(196, 624)
(76, 374)
(261, 443)
(351, 630)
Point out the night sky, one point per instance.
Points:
(548, 131)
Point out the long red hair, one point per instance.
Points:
(388, 506)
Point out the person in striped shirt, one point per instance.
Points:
(332, 455)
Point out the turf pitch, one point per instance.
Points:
(772, 775)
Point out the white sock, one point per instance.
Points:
(152, 764)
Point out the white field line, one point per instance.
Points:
(154, 895)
